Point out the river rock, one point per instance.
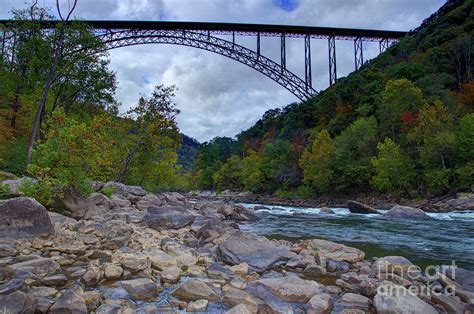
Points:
(112, 271)
(240, 309)
(326, 210)
(171, 274)
(397, 265)
(357, 301)
(143, 289)
(70, 302)
(17, 303)
(395, 299)
(161, 218)
(8, 249)
(320, 304)
(11, 286)
(234, 296)
(359, 208)
(405, 212)
(336, 251)
(258, 254)
(159, 259)
(197, 306)
(450, 304)
(40, 267)
(193, 290)
(134, 261)
(292, 288)
(24, 217)
(462, 203)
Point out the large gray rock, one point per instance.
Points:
(359, 208)
(462, 203)
(399, 211)
(395, 299)
(141, 289)
(260, 255)
(17, 303)
(40, 267)
(291, 288)
(167, 217)
(336, 251)
(15, 184)
(193, 290)
(70, 302)
(24, 217)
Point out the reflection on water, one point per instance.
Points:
(446, 237)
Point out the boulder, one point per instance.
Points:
(397, 265)
(8, 249)
(399, 211)
(17, 303)
(234, 296)
(12, 286)
(6, 175)
(168, 217)
(197, 306)
(291, 288)
(449, 303)
(356, 301)
(40, 267)
(260, 255)
(134, 261)
(239, 309)
(336, 251)
(70, 302)
(112, 271)
(159, 259)
(118, 234)
(142, 289)
(75, 203)
(15, 184)
(462, 203)
(395, 299)
(193, 290)
(24, 217)
(320, 304)
(359, 208)
(171, 274)
(326, 210)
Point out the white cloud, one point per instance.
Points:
(219, 96)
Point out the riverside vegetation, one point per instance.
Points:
(86, 224)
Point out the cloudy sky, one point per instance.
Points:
(218, 96)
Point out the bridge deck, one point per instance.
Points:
(242, 29)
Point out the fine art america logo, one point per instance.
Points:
(410, 279)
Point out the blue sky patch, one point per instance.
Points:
(145, 80)
(287, 5)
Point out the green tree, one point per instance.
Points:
(436, 140)
(465, 143)
(150, 141)
(252, 174)
(316, 162)
(394, 171)
(398, 97)
(229, 175)
(353, 150)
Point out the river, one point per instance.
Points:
(445, 238)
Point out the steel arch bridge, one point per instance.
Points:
(202, 35)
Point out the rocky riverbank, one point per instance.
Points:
(446, 203)
(137, 252)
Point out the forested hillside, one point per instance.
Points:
(402, 124)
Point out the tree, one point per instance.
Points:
(394, 171)
(150, 141)
(399, 97)
(353, 150)
(465, 144)
(229, 175)
(316, 162)
(436, 140)
(252, 174)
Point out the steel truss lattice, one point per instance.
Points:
(203, 40)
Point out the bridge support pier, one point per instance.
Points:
(332, 60)
(307, 62)
(358, 53)
(383, 44)
(283, 52)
